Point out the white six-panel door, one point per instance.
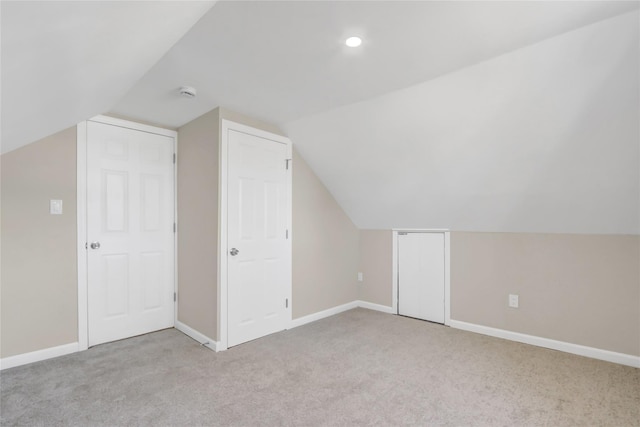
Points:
(421, 276)
(258, 264)
(130, 216)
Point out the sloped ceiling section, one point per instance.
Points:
(468, 115)
(542, 139)
(283, 60)
(65, 61)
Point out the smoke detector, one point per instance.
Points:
(188, 91)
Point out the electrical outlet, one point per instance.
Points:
(513, 301)
(360, 277)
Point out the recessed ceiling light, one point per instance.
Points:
(353, 41)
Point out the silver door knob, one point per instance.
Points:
(95, 245)
(234, 252)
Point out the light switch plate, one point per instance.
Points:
(513, 301)
(55, 207)
(360, 277)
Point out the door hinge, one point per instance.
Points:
(287, 234)
(86, 245)
(286, 162)
(174, 158)
(286, 303)
(175, 297)
(175, 227)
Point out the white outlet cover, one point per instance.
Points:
(55, 207)
(360, 277)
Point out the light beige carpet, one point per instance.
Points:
(357, 368)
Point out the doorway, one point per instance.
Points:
(421, 282)
(255, 234)
(126, 240)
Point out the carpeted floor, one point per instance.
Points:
(357, 368)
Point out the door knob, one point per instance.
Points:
(234, 252)
(95, 245)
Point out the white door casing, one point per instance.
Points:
(422, 275)
(255, 240)
(130, 252)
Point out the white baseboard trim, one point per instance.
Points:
(201, 338)
(376, 307)
(62, 350)
(339, 309)
(38, 355)
(581, 350)
(322, 314)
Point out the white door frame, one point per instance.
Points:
(225, 127)
(447, 268)
(81, 203)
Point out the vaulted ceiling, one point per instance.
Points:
(543, 139)
(480, 115)
(65, 61)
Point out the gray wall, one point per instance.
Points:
(39, 274)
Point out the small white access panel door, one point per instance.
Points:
(258, 262)
(130, 215)
(421, 278)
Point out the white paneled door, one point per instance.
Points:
(421, 276)
(130, 216)
(258, 261)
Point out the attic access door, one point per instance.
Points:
(257, 242)
(421, 275)
(129, 230)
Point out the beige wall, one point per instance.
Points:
(198, 223)
(325, 246)
(581, 289)
(325, 241)
(39, 274)
(376, 266)
(38, 296)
